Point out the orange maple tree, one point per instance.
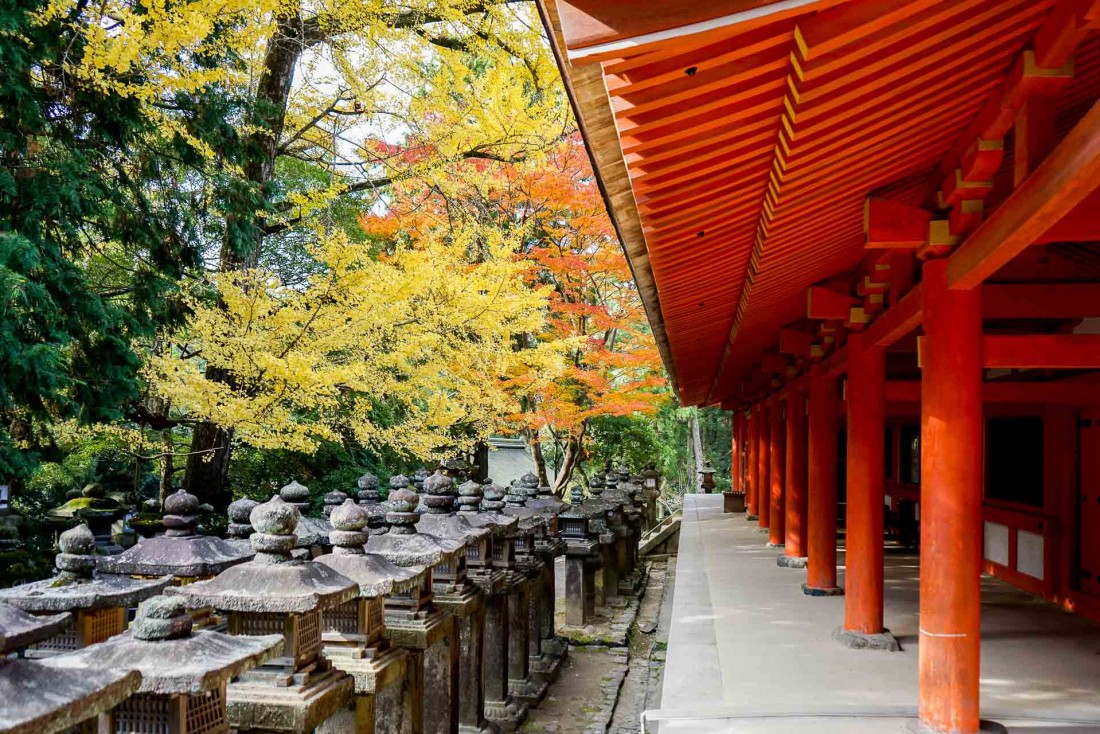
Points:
(595, 312)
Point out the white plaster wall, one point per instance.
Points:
(996, 543)
(1029, 553)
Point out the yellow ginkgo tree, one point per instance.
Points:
(421, 337)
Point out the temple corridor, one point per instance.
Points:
(748, 652)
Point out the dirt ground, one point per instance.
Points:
(605, 689)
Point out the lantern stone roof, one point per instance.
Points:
(20, 629)
(470, 501)
(403, 544)
(75, 587)
(375, 575)
(170, 656)
(42, 696)
(440, 519)
(272, 581)
(179, 552)
(92, 501)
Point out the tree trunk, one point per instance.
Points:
(207, 474)
(696, 448)
(165, 465)
(540, 460)
(207, 479)
(571, 457)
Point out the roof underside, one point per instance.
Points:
(750, 135)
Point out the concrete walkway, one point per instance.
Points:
(748, 652)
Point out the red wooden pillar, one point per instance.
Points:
(794, 545)
(777, 474)
(821, 502)
(763, 487)
(951, 504)
(866, 490)
(750, 460)
(735, 447)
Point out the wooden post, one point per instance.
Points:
(777, 469)
(750, 457)
(951, 488)
(821, 560)
(794, 545)
(763, 486)
(735, 456)
(866, 494)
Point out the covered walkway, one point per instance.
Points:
(749, 652)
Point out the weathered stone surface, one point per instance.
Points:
(288, 587)
(75, 588)
(186, 557)
(43, 696)
(374, 574)
(187, 662)
(857, 641)
(19, 629)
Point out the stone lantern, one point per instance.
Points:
(183, 672)
(605, 521)
(706, 478)
(425, 631)
(333, 500)
(371, 499)
(41, 696)
(628, 529)
(275, 593)
(354, 633)
(240, 525)
(521, 605)
(651, 479)
(91, 507)
(496, 577)
(462, 601)
(312, 531)
(179, 553)
(98, 604)
(550, 652)
(582, 559)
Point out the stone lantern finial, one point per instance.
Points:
(439, 491)
(275, 522)
(239, 524)
(469, 497)
(404, 517)
(530, 484)
(576, 493)
(348, 522)
(333, 500)
(493, 501)
(162, 618)
(368, 488)
(296, 494)
(181, 514)
(77, 556)
(624, 472)
(517, 496)
(418, 478)
(596, 485)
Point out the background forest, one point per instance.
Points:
(245, 242)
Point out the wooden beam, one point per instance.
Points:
(891, 224)
(1061, 392)
(1068, 175)
(796, 343)
(825, 303)
(773, 363)
(836, 364)
(1063, 30)
(896, 322)
(1040, 300)
(1042, 351)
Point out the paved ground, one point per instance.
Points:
(748, 652)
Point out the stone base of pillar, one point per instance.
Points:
(751, 517)
(507, 715)
(984, 727)
(822, 591)
(765, 531)
(774, 545)
(529, 690)
(858, 641)
(546, 667)
(355, 718)
(485, 727)
(252, 702)
(792, 561)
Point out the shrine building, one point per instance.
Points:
(869, 229)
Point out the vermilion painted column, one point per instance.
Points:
(866, 491)
(750, 458)
(735, 456)
(794, 546)
(951, 504)
(821, 502)
(777, 471)
(763, 453)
